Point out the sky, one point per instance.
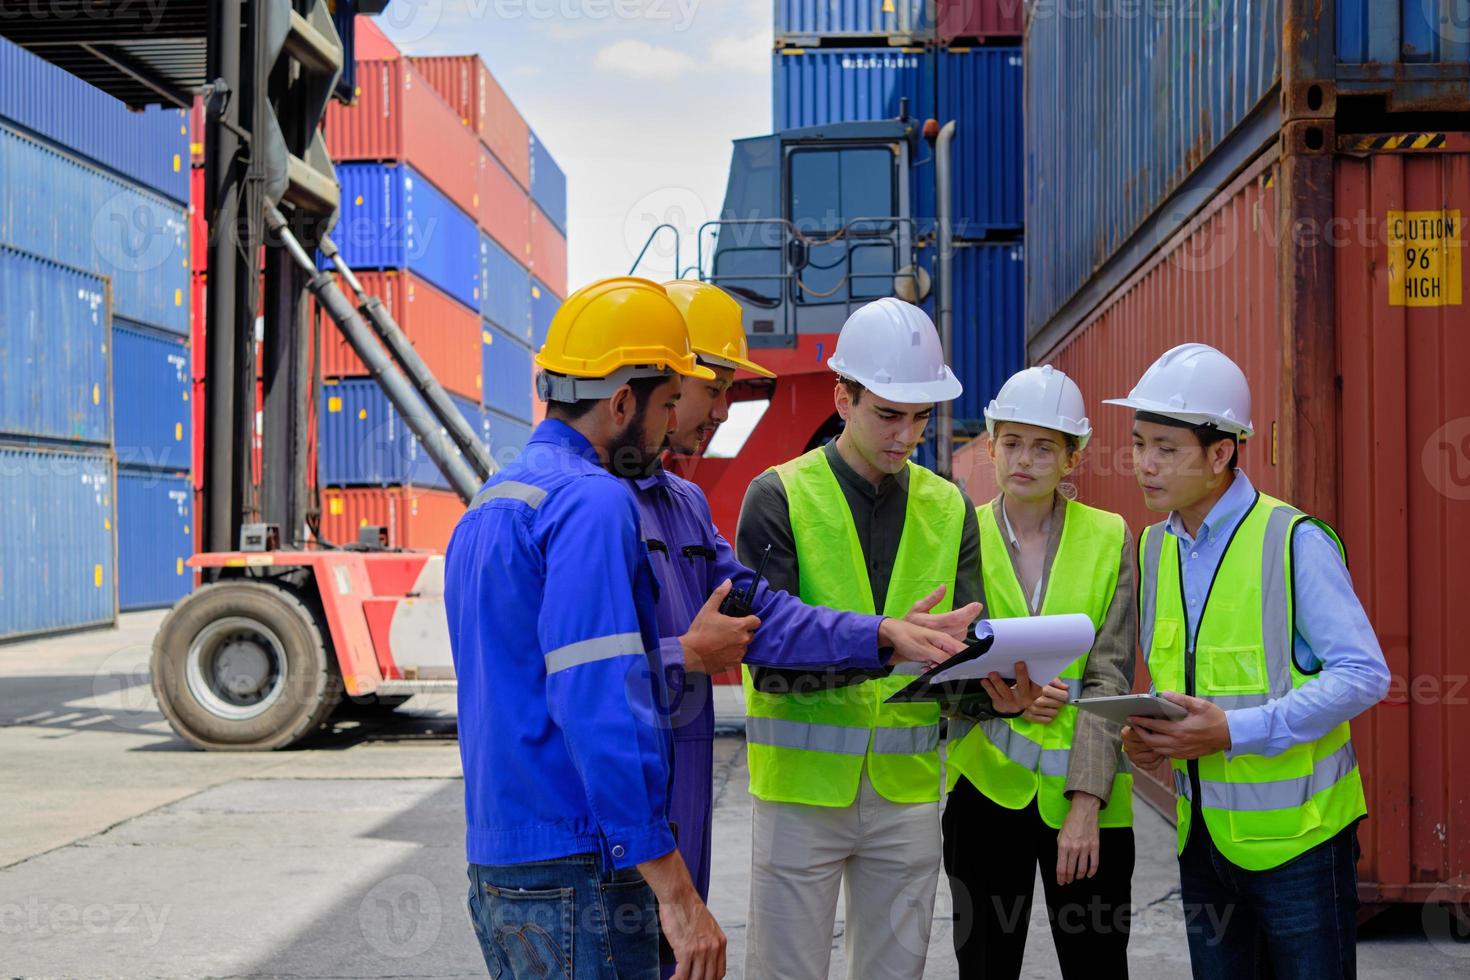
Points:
(637, 100)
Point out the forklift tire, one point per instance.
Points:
(243, 666)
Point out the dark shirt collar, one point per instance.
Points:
(849, 476)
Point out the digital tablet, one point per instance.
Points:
(1121, 707)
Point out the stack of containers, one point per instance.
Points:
(93, 315)
(954, 60)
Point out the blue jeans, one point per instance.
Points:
(1293, 922)
(564, 918)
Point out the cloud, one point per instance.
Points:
(750, 52)
(639, 59)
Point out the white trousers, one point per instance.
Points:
(886, 858)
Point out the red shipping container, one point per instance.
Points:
(548, 252)
(198, 225)
(198, 323)
(414, 517)
(504, 208)
(370, 43)
(443, 332)
(482, 104)
(399, 117)
(1361, 416)
(979, 19)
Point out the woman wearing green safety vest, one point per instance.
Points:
(1247, 619)
(1047, 787)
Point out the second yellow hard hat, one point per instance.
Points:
(716, 326)
(618, 323)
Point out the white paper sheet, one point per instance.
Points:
(1046, 643)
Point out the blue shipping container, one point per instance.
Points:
(980, 88)
(505, 290)
(1372, 34)
(809, 21)
(150, 147)
(57, 207)
(364, 441)
(504, 436)
(544, 304)
(151, 411)
(154, 539)
(56, 541)
(506, 369)
(989, 324)
(392, 218)
(548, 185)
(53, 351)
(818, 86)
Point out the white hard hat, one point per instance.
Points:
(1197, 384)
(1041, 396)
(892, 349)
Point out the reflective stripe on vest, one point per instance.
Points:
(1013, 760)
(1260, 811)
(812, 747)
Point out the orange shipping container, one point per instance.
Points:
(548, 252)
(414, 517)
(443, 332)
(400, 117)
(504, 208)
(482, 104)
(370, 43)
(1353, 332)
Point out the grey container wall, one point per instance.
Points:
(54, 342)
(154, 538)
(61, 208)
(57, 546)
(152, 417)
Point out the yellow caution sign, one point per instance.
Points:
(1424, 257)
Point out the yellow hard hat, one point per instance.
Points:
(614, 330)
(716, 326)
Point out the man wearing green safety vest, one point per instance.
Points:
(1046, 788)
(1248, 620)
(846, 788)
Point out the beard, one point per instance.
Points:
(626, 454)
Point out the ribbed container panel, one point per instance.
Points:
(58, 207)
(978, 19)
(548, 184)
(414, 516)
(507, 371)
(544, 304)
(57, 551)
(150, 148)
(154, 538)
(818, 86)
(468, 85)
(392, 219)
(989, 324)
(152, 415)
(548, 252)
(505, 299)
(812, 21)
(53, 351)
(364, 441)
(980, 89)
(504, 436)
(504, 208)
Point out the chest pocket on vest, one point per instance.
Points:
(1233, 670)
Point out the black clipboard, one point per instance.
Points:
(930, 687)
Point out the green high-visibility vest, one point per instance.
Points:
(811, 747)
(1260, 811)
(1013, 760)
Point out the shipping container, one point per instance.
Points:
(813, 22)
(504, 208)
(442, 331)
(989, 324)
(980, 19)
(53, 351)
(980, 89)
(57, 551)
(505, 297)
(394, 219)
(196, 138)
(364, 441)
(198, 223)
(55, 206)
(150, 382)
(415, 517)
(544, 304)
(548, 184)
(1354, 355)
(468, 86)
(505, 437)
(817, 86)
(154, 538)
(399, 118)
(548, 252)
(371, 43)
(507, 370)
(150, 148)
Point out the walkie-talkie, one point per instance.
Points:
(737, 604)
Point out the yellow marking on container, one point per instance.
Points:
(485, 336)
(479, 382)
(1425, 257)
(178, 297)
(362, 413)
(334, 403)
(196, 148)
(97, 576)
(888, 6)
(96, 395)
(357, 200)
(178, 432)
(535, 292)
(179, 564)
(334, 506)
(176, 163)
(107, 524)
